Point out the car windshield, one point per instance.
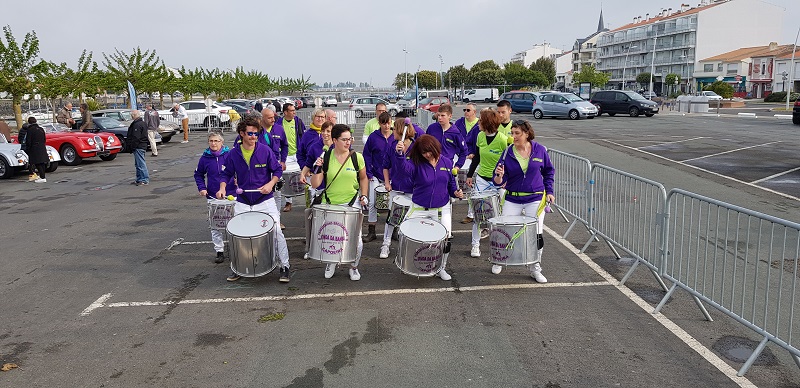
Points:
(126, 115)
(107, 122)
(426, 101)
(55, 127)
(408, 97)
(635, 96)
(572, 98)
(710, 93)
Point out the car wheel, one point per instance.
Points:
(108, 158)
(166, 139)
(796, 119)
(574, 115)
(393, 112)
(649, 114)
(465, 100)
(634, 111)
(611, 114)
(599, 112)
(5, 169)
(359, 113)
(487, 100)
(52, 166)
(591, 117)
(537, 114)
(70, 155)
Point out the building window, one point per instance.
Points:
(708, 68)
(763, 68)
(719, 67)
(732, 68)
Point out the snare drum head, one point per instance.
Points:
(222, 202)
(476, 195)
(335, 208)
(381, 189)
(423, 229)
(512, 220)
(251, 224)
(402, 200)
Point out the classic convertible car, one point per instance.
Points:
(13, 159)
(75, 146)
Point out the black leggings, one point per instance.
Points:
(41, 167)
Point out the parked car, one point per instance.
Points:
(481, 95)
(563, 105)
(649, 95)
(199, 115)
(796, 113)
(623, 101)
(113, 126)
(329, 101)
(712, 96)
(433, 103)
(13, 159)
(365, 106)
(308, 102)
(74, 146)
(521, 100)
(166, 129)
(242, 110)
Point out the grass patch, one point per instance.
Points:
(271, 317)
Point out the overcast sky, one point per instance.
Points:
(335, 41)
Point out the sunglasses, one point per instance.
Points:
(467, 110)
(252, 133)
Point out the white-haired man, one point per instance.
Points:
(136, 141)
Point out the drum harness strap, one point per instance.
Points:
(326, 163)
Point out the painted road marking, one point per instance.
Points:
(673, 142)
(727, 152)
(775, 175)
(100, 302)
(687, 338)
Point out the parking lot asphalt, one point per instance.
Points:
(107, 284)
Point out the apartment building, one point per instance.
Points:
(673, 41)
(527, 57)
(748, 69)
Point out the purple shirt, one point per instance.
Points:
(304, 144)
(538, 178)
(208, 173)
(275, 139)
(452, 142)
(433, 186)
(469, 137)
(375, 152)
(263, 166)
(394, 162)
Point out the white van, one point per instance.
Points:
(481, 95)
(409, 102)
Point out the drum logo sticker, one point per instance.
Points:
(295, 184)
(483, 210)
(397, 215)
(332, 235)
(428, 257)
(498, 243)
(220, 215)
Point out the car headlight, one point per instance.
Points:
(90, 141)
(19, 155)
(111, 140)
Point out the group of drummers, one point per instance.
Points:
(413, 174)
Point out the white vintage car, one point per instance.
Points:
(12, 158)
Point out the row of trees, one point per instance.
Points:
(541, 73)
(23, 72)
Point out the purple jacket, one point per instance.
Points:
(452, 142)
(375, 153)
(538, 178)
(400, 179)
(304, 145)
(210, 166)
(469, 138)
(263, 166)
(276, 141)
(433, 187)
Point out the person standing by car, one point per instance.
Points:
(373, 124)
(21, 137)
(256, 169)
(64, 115)
(294, 128)
(179, 112)
(36, 148)
(136, 142)
(208, 175)
(152, 121)
(258, 106)
(86, 118)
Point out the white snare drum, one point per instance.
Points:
(421, 249)
(381, 198)
(291, 178)
(484, 205)
(335, 233)
(220, 211)
(251, 241)
(513, 240)
(398, 209)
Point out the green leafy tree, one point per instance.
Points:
(643, 79)
(722, 88)
(590, 75)
(672, 80)
(546, 66)
(17, 65)
(488, 77)
(516, 74)
(400, 81)
(428, 79)
(484, 65)
(458, 76)
(141, 68)
(50, 83)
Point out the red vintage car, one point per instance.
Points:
(74, 146)
(433, 103)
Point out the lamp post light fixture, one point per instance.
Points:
(405, 67)
(441, 64)
(625, 64)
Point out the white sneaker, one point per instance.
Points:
(185, 141)
(496, 269)
(354, 275)
(329, 270)
(41, 180)
(444, 275)
(384, 252)
(536, 273)
(476, 251)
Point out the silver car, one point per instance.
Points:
(365, 106)
(563, 105)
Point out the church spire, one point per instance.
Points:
(600, 25)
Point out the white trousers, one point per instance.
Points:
(279, 198)
(529, 209)
(151, 136)
(270, 208)
(389, 229)
(479, 184)
(217, 236)
(372, 215)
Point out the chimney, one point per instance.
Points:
(684, 7)
(647, 17)
(773, 46)
(634, 20)
(669, 12)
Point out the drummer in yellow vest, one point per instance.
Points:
(294, 128)
(372, 125)
(504, 110)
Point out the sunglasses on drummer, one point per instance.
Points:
(252, 133)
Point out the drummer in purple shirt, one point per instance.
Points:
(374, 155)
(256, 168)
(449, 136)
(433, 185)
(527, 174)
(395, 179)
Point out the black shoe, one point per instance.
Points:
(220, 258)
(284, 275)
(395, 237)
(233, 277)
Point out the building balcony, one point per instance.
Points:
(609, 39)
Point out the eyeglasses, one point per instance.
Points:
(252, 133)
(319, 117)
(215, 141)
(345, 139)
(467, 110)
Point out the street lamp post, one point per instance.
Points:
(791, 70)
(405, 67)
(441, 79)
(625, 64)
(653, 69)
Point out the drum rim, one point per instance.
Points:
(422, 219)
(497, 221)
(271, 230)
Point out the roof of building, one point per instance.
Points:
(788, 54)
(673, 15)
(750, 52)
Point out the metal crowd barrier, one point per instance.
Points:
(572, 185)
(627, 212)
(741, 262)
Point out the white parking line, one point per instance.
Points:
(96, 304)
(775, 175)
(727, 152)
(673, 142)
(687, 338)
